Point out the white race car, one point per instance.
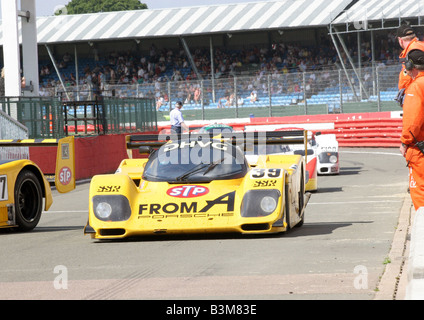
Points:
(326, 148)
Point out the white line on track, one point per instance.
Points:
(366, 152)
(67, 211)
(352, 202)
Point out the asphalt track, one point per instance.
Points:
(341, 252)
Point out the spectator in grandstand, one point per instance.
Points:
(176, 75)
(177, 119)
(44, 71)
(230, 100)
(253, 97)
(160, 101)
(413, 126)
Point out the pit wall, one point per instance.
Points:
(93, 155)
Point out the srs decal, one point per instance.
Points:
(187, 191)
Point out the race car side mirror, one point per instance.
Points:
(144, 150)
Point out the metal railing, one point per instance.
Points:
(12, 129)
(51, 118)
(278, 93)
(138, 107)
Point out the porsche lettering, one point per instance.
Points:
(184, 207)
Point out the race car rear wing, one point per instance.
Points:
(267, 137)
(65, 158)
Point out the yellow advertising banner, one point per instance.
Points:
(65, 165)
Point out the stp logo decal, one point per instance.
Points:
(187, 191)
(65, 175)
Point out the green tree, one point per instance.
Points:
(93, 6)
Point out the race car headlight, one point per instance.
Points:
(328, 157)
(268, 204)
(259, 203)
(111, 207)
(333, 158)
(103, 210)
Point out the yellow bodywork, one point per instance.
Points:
(11, 169)
(9, 172)
(149, 207)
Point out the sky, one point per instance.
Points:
(47, 7)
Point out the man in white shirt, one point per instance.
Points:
(177, 119)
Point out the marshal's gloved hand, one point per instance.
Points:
(400, 97)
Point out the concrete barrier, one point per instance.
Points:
(373, 129)
(415, 286)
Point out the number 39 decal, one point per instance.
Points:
(265, 173)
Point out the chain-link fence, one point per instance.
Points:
(266, 94)
(11, 129)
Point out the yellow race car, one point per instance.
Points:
(23, 185)
(197, 183)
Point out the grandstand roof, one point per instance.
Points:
(371, 10)
(187, 20)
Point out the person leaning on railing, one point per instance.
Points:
(412, 137)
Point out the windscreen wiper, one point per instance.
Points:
(213, 165)
(199, 167)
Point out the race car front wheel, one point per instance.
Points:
(301, 197)
(28, 200)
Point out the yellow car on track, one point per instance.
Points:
(197, 183)
(23, 185)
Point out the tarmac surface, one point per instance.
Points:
(352, 246)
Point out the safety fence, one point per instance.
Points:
(268, 93)
(370, 129)
(11, 129)
(367, 133)
(51, 118)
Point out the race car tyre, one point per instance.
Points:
(28, 201)
(301, 201)
(287, 208)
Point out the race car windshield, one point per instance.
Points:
(195, 161)
(280, 148)
(270, 149)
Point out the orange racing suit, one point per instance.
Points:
(404, 78)
(413, 126)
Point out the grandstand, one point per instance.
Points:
(213, 57)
